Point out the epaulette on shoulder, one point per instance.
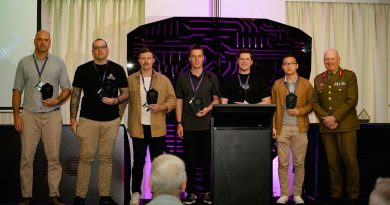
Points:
(323, 74)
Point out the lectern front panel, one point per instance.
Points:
(241, 166)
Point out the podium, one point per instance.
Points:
(241, 154)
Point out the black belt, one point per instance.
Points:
(50, 111)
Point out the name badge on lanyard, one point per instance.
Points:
(291, 98)
(197, 103)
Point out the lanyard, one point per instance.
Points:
(192, 84)
(244, 86)
(104, 74)
(43, 67)
(295, 85)
(143, 81)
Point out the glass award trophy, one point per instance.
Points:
(291, 101)
(151, 96)
(108, 90)
(197, 104)
(47, 91)
(363, 116)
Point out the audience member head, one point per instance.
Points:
(168, 175)
(381, 193)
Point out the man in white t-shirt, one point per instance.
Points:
(151, 97)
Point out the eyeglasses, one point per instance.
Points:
(288, 64)
(99, 47)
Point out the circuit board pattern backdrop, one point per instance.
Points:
(222, 38)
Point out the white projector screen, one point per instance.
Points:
(18, 20)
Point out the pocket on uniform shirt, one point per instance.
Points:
(338, 89)
(320, 90)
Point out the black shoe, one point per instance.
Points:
(190, 199)
(24, 201)
(354, 202)
(78, 201)
(335, 201)
(56, 200)
(207, 198)
(107, 200)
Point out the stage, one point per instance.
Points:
(372, 152)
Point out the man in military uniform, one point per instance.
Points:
(334, 99)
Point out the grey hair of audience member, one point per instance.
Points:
(381, 193)
(168, 175)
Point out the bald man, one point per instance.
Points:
(40, 75)
(334, 100)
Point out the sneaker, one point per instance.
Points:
(190, 199)
(135, 198)
(107, 200)
(207, 198)
(78, 201)
(56, 200)
(298, 200)
(24, 201)
(282, 200)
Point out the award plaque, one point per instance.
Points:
(46, 91)
(151, 96)
(108, 90)
(197, 104)
(291, 101)
(364, 117)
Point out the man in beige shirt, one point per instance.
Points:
(292, 96)
(151, 97)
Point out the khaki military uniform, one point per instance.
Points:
(337, 95)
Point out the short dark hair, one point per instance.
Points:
(245, 50)
(98, 39)
(145, 50)
(195, 47)
(290, 56)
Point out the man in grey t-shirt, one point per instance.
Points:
(40, 76)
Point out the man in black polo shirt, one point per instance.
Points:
(196, 92)
(246, 87)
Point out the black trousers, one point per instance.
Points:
(156, 147)
(197, 153)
